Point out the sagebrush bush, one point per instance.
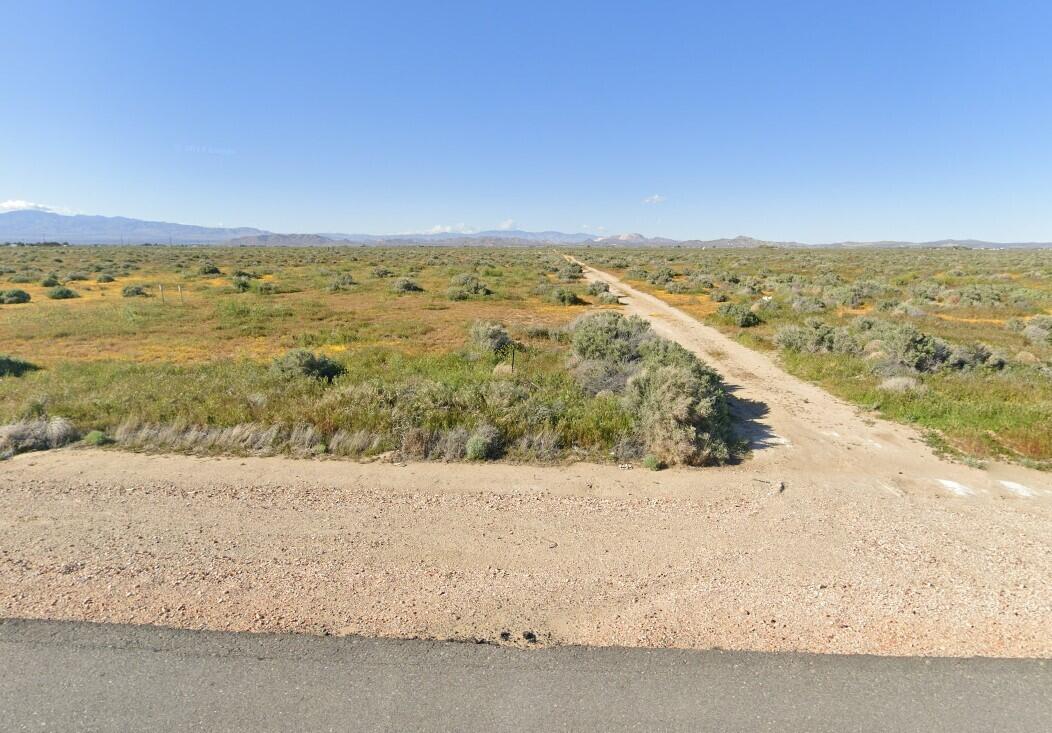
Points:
(304, 363)
(465, 285)
(490, 337)
(104, 278)
(51, 281)
(561, 296)
(609, 336)
(484, 444)
(61, 293)
(133, 291)
(570, 272)
(679, 404)
(738, 314)
(597, 286)
(13, 296)
(343, 281)
(405, 285)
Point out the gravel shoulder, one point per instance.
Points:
(579, 554)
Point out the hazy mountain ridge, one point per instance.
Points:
(34, 226)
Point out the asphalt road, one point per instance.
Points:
(76, 676)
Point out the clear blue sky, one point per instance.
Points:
(813, 121)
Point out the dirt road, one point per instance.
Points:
(798, 429)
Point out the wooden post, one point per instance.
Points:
(181, 301)
(160, 289)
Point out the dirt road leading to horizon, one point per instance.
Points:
(800, 429)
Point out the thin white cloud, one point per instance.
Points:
(20, 205)
(654, 199)
(460, 228)
(507, 224)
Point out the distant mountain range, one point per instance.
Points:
(36, 226)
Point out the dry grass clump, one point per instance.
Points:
(245, 438)
(901, 385)
(39, 433)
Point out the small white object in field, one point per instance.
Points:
(625, 466)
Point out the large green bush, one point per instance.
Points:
(678, 403)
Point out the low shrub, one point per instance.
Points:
(13, 296)
(816, 337)
(569, 272)
(96, 438)
(207, 270)
(652, 462)
(464, 286)
(609, 336)
(304, 363)
(340, 283)
(563, 296)
(104, 278)
(608, 299)
(405, 285)
(738, 314)
(597, 286)
(61, 293)
(484, 444)
(133, 291)
(490, 337)
(51, 281)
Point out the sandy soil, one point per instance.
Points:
(582, 554)
(839, 534)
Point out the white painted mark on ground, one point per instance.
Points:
(1017, 489)
(890, 489)
(956, 488)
